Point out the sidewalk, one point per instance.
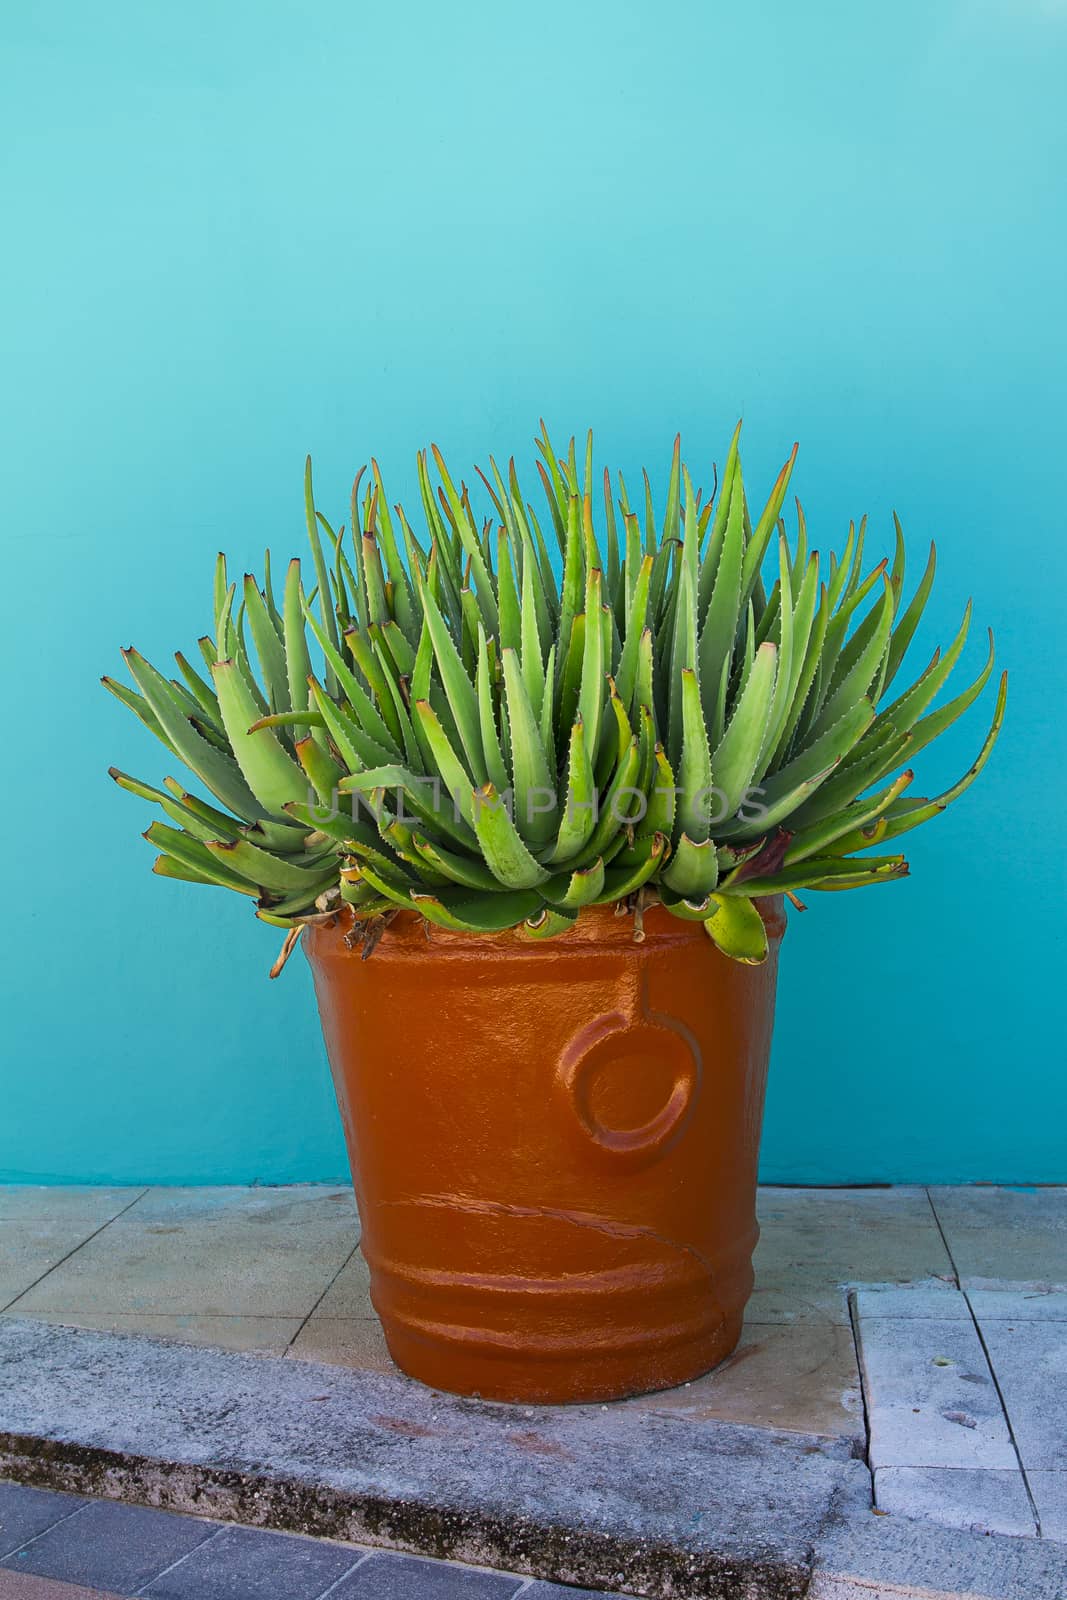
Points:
(924, 1332)
(51, 1542)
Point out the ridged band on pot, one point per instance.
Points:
(553, 1147)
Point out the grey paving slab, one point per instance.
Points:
(1007, 1304)
(804, 1301)
(24, 1202)
(236, 1252)
(959, 1497)
(349, 1293)
(1030, 1361)
(986, 1260)
(106, 1545)
(270, 1335)
(1000, 1234)
(348, 1341)
(865, 1557)
(931, 1401)
(981, 1205)
(268, 1206)
(868, 1204)
(249, 1564)
(801, 1376)
(600, 1498)
(25, 1512)
(815, 1241)
(389, 1577)
(925, 1299)
(29, 1249)
(1049, 1490)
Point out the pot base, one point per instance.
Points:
(495, 1372)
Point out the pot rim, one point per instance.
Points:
(600, 927)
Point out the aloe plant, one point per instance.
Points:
(499, 722)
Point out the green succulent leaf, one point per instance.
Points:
(548, 922)
(734, 762)
(219, 771)
(736, 928)
(478, 913)
(581, 888)
(693, 869)
(270, 771)
(455, 725)
(580, 803)
(501, 843)
(535, 786)
(622, 881)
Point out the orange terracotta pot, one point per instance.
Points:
(553, 1147)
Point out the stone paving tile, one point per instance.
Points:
(1030, 1361)
(1049, 1490)
(988, 1205)
(813, 1241)
(931, 1401)
(26, 1512)
(190, 1559)
(349, 1293)
(248, 1564)
(243, 1252)
(803, 1302)
(26, 1202)
(801, 1377)
(868, 1204)
(393, 1577)
(1018, 1305)
(266, 1335)
(111, 1546)
(998, 1234)
(937, 1299)
(348, 1341)
(29, 1249)
(983, 1500)
(277, 1206)
(985, 1258)
(803, 1252)
(794, 1295)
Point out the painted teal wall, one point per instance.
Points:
(235, 232)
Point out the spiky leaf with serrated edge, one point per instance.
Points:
(748, 744)
(737, 929)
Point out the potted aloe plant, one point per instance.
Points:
(560, 784)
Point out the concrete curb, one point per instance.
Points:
(868, 1557)
(607, 1499)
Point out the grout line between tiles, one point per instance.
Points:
(900, 1466)
(323, 1295)
(857, 1344)
(992, 1370)
(1007, 1415)
(162, 1573)
(26, 1543)
(344, 1576)
(79, 1246)
(944, 1236)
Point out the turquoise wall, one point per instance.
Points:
(235, 232)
